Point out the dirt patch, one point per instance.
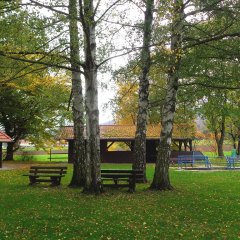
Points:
(10, 165)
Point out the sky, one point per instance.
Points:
(120, 38)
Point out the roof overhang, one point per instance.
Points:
(4, 138)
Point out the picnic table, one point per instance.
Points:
(121, 178)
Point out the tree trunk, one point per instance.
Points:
(78, 177)
(233, 136)
(161, 180)
(238, 147)
(10, 151)
(140, 135)
(93, 171)
(0, 154)
(238, 142)
(220, 141)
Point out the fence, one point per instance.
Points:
(57, 152)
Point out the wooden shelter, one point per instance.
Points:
(4, 138)
(111, 134)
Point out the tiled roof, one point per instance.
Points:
(181, 131)
(4, 137)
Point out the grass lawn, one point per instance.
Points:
(204, 205)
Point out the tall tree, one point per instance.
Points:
(92, 113)
(79, 174)
(143, 101)
(161, 178)
(215, 111)
(190, 28)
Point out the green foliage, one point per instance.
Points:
(204, 205)
(125, 101)
(34, 109)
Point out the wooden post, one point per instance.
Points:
(50, 152)
(190, 145)
(0, 155)
(132, 145)
(185, 145)
(180, 145)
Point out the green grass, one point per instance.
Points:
(204, 205)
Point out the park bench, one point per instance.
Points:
(191, 160)
(51, 174)
(232, 162)
(121, 178)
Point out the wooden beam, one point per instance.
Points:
(185, 145)
(132, 145)
(190, 145)
(180, 145)
(108, 146)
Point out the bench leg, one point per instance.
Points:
(132, 185)
(115, 180)
(101, 186)
(55, 181)
(32, 180)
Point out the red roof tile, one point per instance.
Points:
(181, 131)
(4, 137)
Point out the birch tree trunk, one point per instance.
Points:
(78, 177)
(161, 180)
(93, 175)
(140, 135)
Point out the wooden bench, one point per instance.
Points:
(51, 174)
(121, 178)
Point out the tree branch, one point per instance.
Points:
(106, 11)
(48, 64)
(209, 86)
(214, 38)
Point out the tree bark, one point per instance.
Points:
(238, 142)
(234, 138)
(238, 147)
(161, 180)
(78, 177)
(220, 140)
(93, 171)
(10, 151)
(143, 101)
(0, 155)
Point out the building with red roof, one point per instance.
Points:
(183, 135)
(4, 138)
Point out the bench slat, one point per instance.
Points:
(42, 175)
(48, 167)
(48, 171)
(116, 185)
(121, 171)
(43, 180)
